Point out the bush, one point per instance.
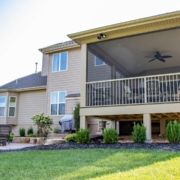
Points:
(173, 131)
(139, 133)
(31, 135)
(77, 117)
(57, 130)
(11, 136)
(22, 132)
(110, 135)
(82, 136)
(30, 131)
(44, 124)
(71, 138)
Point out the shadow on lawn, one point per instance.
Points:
(77, 164)
(113, 161)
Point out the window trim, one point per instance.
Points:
(60, 62)
(4, 106)
(12, 106)
(100, 64)
(57, 103)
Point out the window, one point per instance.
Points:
(12, 106)
(59, 62)
(58, 103)
(98, 62)
(2, 106)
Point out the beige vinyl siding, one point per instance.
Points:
(97, 73)
(30, 103)
(3, 119)
(68, 80)
(70, 103)
(45, 63)
(12, 120)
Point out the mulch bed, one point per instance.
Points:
(63, 146)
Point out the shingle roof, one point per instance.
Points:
(32, 80)
(59, 45)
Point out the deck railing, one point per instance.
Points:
(138, 90)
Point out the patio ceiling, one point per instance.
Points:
(130, 52)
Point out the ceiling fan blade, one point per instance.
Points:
(162, 60)
(166, 56)
(151, 60)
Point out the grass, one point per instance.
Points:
(90, 164)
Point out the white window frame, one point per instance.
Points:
(12, 106)
(57, 103)
(4, 106)
(95, 57)
(60, 62)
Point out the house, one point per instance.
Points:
(55, 90)
(142, 79)
(120, 73)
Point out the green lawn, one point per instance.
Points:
(90, 164)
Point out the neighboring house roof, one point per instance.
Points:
(73, 95)
(30, 81)
(59, 46)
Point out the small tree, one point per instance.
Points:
(44, 124)
(139, 133)
(77, 117)
(173, 131)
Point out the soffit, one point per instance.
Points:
(150, 24)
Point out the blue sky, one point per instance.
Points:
(27, 25)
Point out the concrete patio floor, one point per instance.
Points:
(16, 146)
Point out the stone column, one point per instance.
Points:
(83, 122)
(147, 124)
(162, 126)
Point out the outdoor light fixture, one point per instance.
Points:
(101, 35)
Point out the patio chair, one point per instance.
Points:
(130, 96)
(5, 131)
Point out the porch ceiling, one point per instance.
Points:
(130, 52)
(137, 117)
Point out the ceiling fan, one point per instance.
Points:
(159, 57)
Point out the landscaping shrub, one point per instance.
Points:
(76, 117)
(44, 124)
(22, 132)
(82, 136)
(57, 130)
(110, 135)
(173, 131)
(71, 138)
(31, 135)
(139, 133)
(11, 136)
(30, 131)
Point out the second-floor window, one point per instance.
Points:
(2, 106)
(99, 62)
(59, 62)
(58, 103)
(12, 106)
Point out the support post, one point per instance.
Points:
(83, 74)
(147, 124)
(162, 126)
(83, 122)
